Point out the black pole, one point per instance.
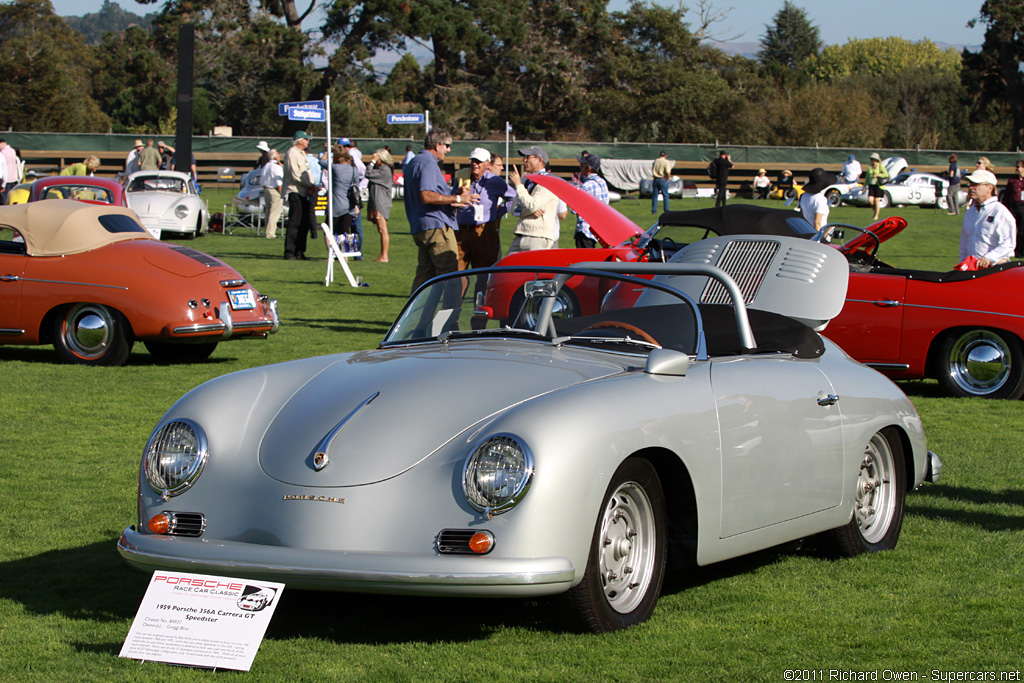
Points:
(183, 139)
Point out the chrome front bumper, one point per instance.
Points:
(368, 572)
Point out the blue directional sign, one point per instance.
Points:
(306, 114)
(395, 119)
(283, 107)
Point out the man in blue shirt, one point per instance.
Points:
(430, 207)
(595, 186)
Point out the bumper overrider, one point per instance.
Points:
(396, 573)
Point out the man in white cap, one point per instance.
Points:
(538, 223)
(989, 233)
(477, 236)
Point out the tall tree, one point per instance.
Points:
(995, 73)
(46, 68)
(788, 41)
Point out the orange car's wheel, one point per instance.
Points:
(91, 334)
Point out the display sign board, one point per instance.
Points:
(397, 119)
(306, 114)
(198, 620)
(283, 107)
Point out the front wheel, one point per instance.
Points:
(878, 503)
(885, 201)
(982, 363)
(834, 198)
(626, 565)
(91, 334)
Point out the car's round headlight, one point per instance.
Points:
(497, 474)
(174, 457)
(181, 211)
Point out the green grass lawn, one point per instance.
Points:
(949, 598)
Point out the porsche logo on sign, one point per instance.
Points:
(320, 460)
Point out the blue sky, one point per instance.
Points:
(942, 21)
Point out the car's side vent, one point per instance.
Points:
(455, 541)
(199, 256)
(186, 523)
(747, 261)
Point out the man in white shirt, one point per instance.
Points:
(131, 163)
(12, 175)
(989, 232)
(851, 170)
(271, 180)
(538, 223)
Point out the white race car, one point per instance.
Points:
(167, 202)
(906, 187)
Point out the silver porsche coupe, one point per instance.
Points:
(698, 416)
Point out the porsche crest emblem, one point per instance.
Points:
(320, 460)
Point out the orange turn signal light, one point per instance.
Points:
(481, 542)
(159, 523)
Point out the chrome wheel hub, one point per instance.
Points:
(88, 329)
(876, 495)
(980, 362)
(628, 547)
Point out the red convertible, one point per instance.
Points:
(621, 240)
(964, 329)
(92, 189)
(90, 280)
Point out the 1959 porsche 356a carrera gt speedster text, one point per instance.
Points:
(453, 460)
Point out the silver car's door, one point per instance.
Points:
(782, 440)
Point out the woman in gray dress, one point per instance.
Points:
(343, 177)
(380, 173)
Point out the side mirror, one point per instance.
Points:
(667, 362)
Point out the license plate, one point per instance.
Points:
(241, 299)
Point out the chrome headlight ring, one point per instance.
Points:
(497, 474)
(174, 457)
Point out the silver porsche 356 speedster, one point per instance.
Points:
(471, 457)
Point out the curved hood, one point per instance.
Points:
(377, 413)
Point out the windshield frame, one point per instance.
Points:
(560, 274)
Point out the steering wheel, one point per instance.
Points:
(618, 325)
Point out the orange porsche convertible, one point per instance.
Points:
(91, 281)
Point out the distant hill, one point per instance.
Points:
(111, 17)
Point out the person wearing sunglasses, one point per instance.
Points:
(430, 207)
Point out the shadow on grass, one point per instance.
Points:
(89, 582)
(344, 325)
(45, 355)
(957, 504)
(92, 583)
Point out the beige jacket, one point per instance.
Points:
(540, 198)
(297, 177)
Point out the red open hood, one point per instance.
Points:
(883, 229)
(609, 226)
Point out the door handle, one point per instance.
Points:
(828, 400)
(887, 303)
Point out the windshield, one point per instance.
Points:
(158, 184)
(612, 312)
(83, 192)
